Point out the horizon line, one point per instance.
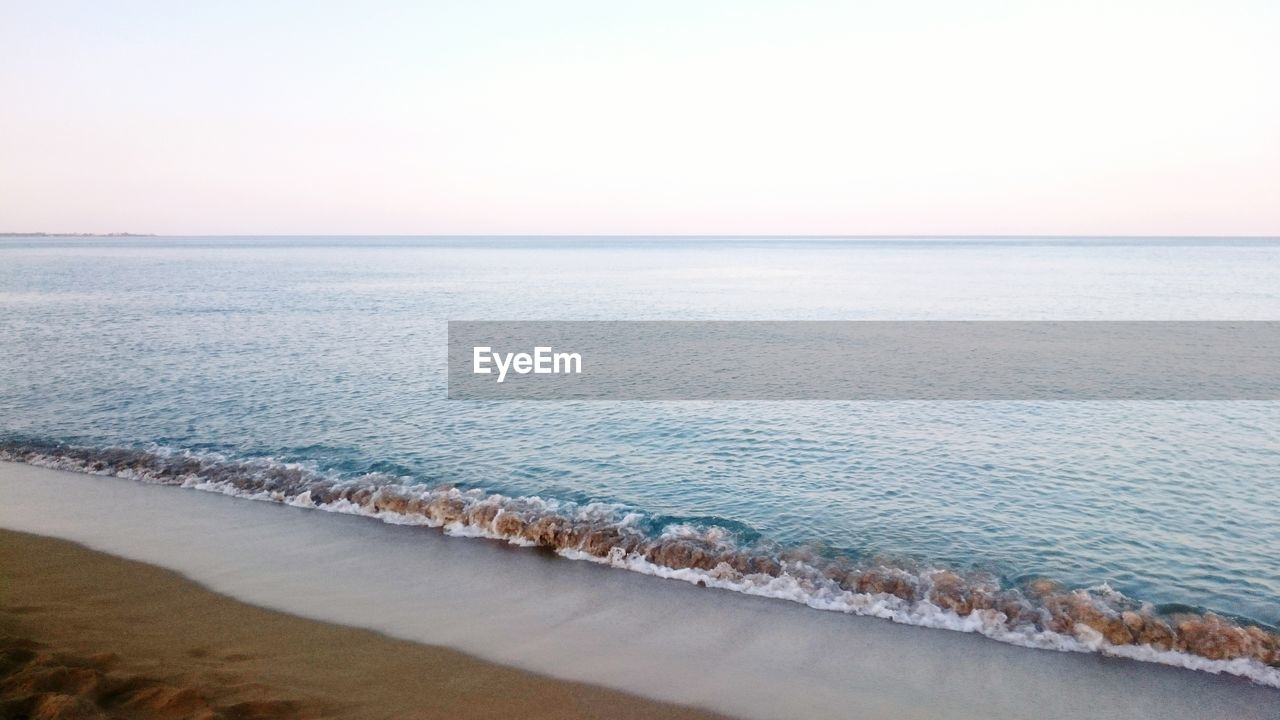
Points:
(655, 236)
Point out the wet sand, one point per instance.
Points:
(84, 633)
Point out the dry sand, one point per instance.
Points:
(84, 634)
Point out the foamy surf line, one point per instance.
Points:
(1041, 615)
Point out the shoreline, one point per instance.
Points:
(1045, 614)
(84, 630)
(667, 640)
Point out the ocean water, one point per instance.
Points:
(306, 369)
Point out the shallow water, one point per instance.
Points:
(329, 352)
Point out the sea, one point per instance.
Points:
(310, 371)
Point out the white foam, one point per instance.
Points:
(923, 613)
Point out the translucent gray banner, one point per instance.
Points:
(864, 360)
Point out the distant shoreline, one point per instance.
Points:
(59, 234)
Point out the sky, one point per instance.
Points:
(688, 117)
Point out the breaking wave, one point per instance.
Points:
(1039, 614)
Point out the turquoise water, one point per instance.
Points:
(330, 352)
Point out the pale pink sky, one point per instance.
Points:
(657, 117)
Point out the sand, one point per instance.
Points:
(87, 634)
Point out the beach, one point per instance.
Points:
(83, 632)
(411, 591)
(766, 361)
